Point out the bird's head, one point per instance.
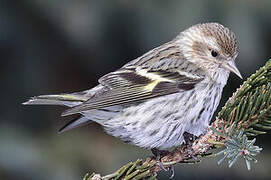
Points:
(212, 47)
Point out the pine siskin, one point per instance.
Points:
(153, 100)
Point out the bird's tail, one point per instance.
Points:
(69, 100)
(74, 99)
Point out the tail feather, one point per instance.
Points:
(74, 99)
(97, 115)
(78, 122)
(69, 100)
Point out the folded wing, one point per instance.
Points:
(132, 84)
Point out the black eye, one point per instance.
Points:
(214, 53)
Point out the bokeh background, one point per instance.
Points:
(49, 47)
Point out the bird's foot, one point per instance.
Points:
(172, 172)
(189, 139)
(158, 154)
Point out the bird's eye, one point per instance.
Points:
(214, 53)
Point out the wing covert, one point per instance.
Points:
(135, 84)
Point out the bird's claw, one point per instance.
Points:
(173, 172)
(169, 168)
(191, 154)
(160, 164)
(158, 153)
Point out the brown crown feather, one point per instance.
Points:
(225, 38)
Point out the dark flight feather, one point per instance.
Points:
(127, 85)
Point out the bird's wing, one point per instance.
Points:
(134, 84)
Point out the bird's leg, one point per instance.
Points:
(158, 154)
(189, 139)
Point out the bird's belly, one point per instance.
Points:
(161, 122)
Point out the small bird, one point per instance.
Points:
(155, 99)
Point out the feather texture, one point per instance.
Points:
(133, 85)
(153, 100)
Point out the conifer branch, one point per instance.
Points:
(246, 114)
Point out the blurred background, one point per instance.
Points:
(49, 47)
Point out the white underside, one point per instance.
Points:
(161, 122)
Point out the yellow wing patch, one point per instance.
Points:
(64, 97)
(156, 78)
(152, 76)
(152, 85)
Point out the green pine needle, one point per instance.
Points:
(237, 146)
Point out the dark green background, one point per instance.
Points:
(54, 46)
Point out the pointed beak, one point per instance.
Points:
(231, 66)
